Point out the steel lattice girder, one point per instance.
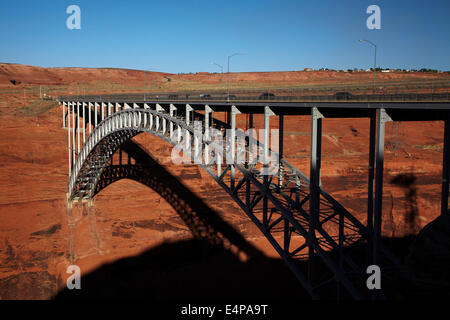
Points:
(129, 123)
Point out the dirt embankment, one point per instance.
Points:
(12, 75)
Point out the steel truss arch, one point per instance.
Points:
(279, 209)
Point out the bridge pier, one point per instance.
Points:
(90, 105)
(96, 105)
(84, 121)
(314, 187)
(68, 138)
(280, 149)
(383, 117)
(208, 115)
(103, 110)
(73, 133)
(64, 114)
(172, 113)
(371, 177)
(445, 168)
(78, 127)
(189, 111)
(232, 142)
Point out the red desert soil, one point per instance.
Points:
(40, 237)
(31, 75)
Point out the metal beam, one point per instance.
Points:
(78, 127)
(445, 169)
(267, 114)
(280, 149)
(90, 117)
(110, 106)
(172, 111)
(95, 113)
(189, 109)
(208, 116)
(73, 133)
(372, 140)
(84, 104)
(383, 117)
(232, 141)
(247, 188)
(68, 138)
(314, 185)
(64, 114)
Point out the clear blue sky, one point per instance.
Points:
(186, 35)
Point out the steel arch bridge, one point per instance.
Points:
(295, 214)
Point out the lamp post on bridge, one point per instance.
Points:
(145, 84)
(221, 72)
(375, 60)
(228, 78)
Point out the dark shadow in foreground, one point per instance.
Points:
(205, 269)
(196, 270)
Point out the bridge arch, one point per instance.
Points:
(203, 222)
(276, 209)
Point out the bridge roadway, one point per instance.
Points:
(287, 205)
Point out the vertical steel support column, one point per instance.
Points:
(73, 133)
(280, 149)
(267, 114)
(189, 109)
(95, 114)
(172, 108)
(372, 138)
(84, 121)
(150, 116)
(110, 105)
(68, 138)
(103, 110)
(117, 107)
(78, 127)
(90, 117)
(445, 169)
(383, 117)
(233, 113)
(161, 109)
(314, 185)
(64, 114)
(208, 115)
(249, 166)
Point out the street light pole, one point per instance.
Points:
(228, 78)
(375, 61)
(221, 68)
(145, 81)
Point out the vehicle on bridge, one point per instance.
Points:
(267, 96)
(230, 97)
(343, 95)
(173, 96)
(205, 96)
